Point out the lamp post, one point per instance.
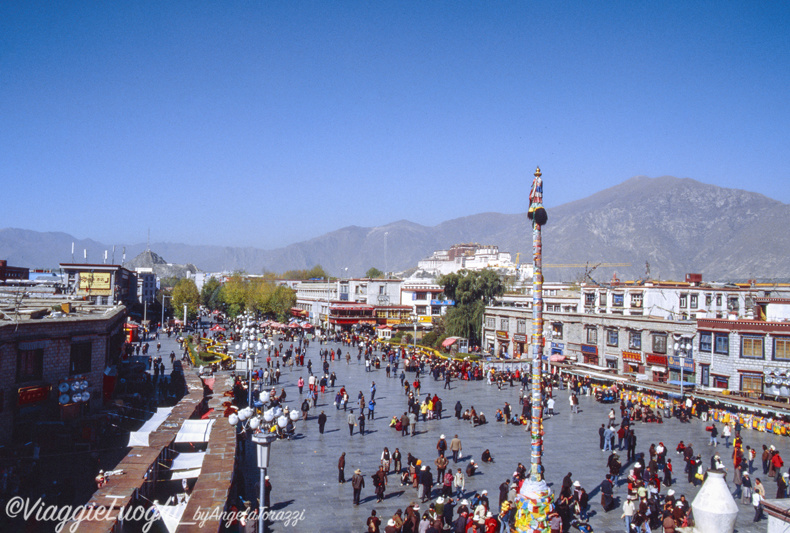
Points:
(263, 429)
(164, 297)
(264, 442)
(683, 349)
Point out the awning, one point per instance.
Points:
(185, 474)
(557, 358)
(685, 383)
(140, 437)
(195, 431)
(171, 514)
(188, 461)
(449, 341)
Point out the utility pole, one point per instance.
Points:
(535, 500)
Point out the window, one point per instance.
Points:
(718, 300)
(80, 362)
(704, 379)
(694, 302)
(612, 337)
(684, 300)
(659, 342)
(589, 299)
(752, 347)
(782, 348)
(636, 299)
(504, 324)
(721, 343)
(635, 340)
(732, 304)
(617, 300)
(421, 309)
(752, 383)
(436, 310)
(420, 295)
(556, 330)
(382, 289)
(705, 341)
(521, 325)
(592, 335)
(490, 322)
(30, 365)
(721, 382)
(708, 300)
(602, 299)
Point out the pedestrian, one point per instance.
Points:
(714, 432)
(459, 483)
(396, 460)
(628, 513)
(352, 421)
(455, 447)
(361, 422)
(726, 433)
(357, 483)
(321, 422)
(441, 446)
(458, 409)
(341, 468)
(373, 522)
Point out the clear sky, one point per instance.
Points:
(267, 123)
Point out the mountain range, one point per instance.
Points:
(674, 225)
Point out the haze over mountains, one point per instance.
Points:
(677, 225)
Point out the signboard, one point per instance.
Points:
(519, 337)
(502, 335)
(634, 357)
(95, 283)
(442, 302)
(656, 359)
(28, 395)
(673, 362)
(589, 349)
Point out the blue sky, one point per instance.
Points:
(266, 123)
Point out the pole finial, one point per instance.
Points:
(537, 172)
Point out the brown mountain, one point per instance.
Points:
(677, 225)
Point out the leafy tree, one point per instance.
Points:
(259, 293)
(472, 291)
(234, 294)
(186, 292)
(209, 287)
(281, 301)
(317, 272)
(374, 273)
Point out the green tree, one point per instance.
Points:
(234, 294)
(472, 291)
(317, 272)
(281, 301)
(186, 292)
(209, 287)
(374, 273)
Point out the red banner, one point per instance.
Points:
(29, 395)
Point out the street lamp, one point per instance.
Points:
(264, 442)
(683, 349)
(164, 297)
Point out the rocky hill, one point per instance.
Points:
(675, 225)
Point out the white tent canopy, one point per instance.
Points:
(195, 431)
(171, 514)
(140, 437)
(188, 461)
(185, 474)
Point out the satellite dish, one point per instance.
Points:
(64, 398)
(84, 385)
(86, 396)
(63, 387)
(75, 386)
(77, 397)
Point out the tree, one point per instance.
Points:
(374, 273)
(472, 291)
(186, 292)
(209, 287)
(281, 301)
(317, 272)
(234, 294)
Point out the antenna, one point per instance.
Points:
(113, 254)
(148, 243)
(72, 251)
(85, 254)
(124, 254)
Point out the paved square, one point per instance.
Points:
(303, 472)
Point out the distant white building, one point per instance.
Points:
(473, 257)
(146, 284)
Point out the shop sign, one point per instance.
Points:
(656, 359)
(519, 337)
(442, 302)
(673, 362)
(633, 357)
(502, 335)
(557, 345)
(28, 395)
(97, 283)
(589, 349)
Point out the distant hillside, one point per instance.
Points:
(676, 225)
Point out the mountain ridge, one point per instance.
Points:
(678, 225)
